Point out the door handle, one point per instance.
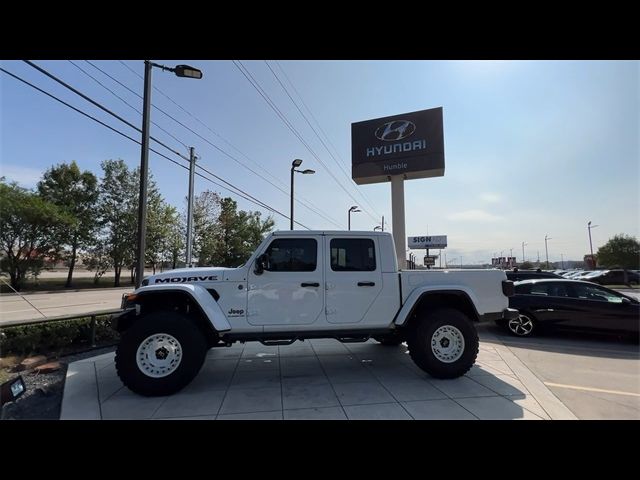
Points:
(309, 284)
(366, 284)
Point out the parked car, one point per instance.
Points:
(571, 304)
(615, 277)
(529, 274)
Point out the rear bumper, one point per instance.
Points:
(506, 314)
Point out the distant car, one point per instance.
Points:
(571, 304)
(616, 277)
(529, 274)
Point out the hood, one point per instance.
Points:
(188, 275)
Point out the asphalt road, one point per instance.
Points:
(54, 304)
(596, 376)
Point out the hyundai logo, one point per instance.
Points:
(396, 130)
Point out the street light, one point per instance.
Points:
(546, 249)
(589, 227)
(523, 244)
(295, 164)
(352, 209)
(181, 71)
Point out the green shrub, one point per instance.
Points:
(55, 336)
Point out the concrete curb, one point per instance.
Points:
(547, 400)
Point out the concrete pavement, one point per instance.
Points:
(319, 379)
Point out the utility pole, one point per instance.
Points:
(538, 256)
(562, 258)
(192, 171)
(523, 259)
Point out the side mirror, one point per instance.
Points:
(262, 264)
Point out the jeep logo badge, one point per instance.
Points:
(235, 313)
(396, 130)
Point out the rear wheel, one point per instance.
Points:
(444, 343)
(160, 354)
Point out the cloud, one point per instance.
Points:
(25, 176)
(490, 197)
(475, 216)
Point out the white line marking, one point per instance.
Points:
(590, 389)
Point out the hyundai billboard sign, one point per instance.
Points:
(411, 145)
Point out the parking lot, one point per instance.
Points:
(596, 376)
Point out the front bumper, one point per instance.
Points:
(506, 314)
(125, 313)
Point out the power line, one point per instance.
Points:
(101, 107)
(340, 164)
(242, 193)
(288, 124)
(125, 102)
(298, 200)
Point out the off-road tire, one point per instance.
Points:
(193, 348)
(421, 336)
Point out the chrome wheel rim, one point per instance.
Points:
(447, 344)
(521, 326)
(159, 355)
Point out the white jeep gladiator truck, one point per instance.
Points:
(300, 285)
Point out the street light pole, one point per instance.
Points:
(562, 259)
(293, 166)
(296, 163)
(523, 259)
(589, 227)
(144, 169)
(352, 209)
(546, 249)
(180, 71)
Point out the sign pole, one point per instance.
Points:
(397, 218)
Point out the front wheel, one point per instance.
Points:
(160, 354)
(444, 343)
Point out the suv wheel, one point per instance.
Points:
(444, 343)
(160, 354)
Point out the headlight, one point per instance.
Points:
(145, 282)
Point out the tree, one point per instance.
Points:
(237, 235)
(97, 259)
(29, 226)
(159, 216)
(224, 236)
(621, 251)
(174, 245)
(76, 193)
(526, 266)
(206, 210)
(118, 211)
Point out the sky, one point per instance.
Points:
(532, 148)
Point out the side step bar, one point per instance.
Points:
(273, 343)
